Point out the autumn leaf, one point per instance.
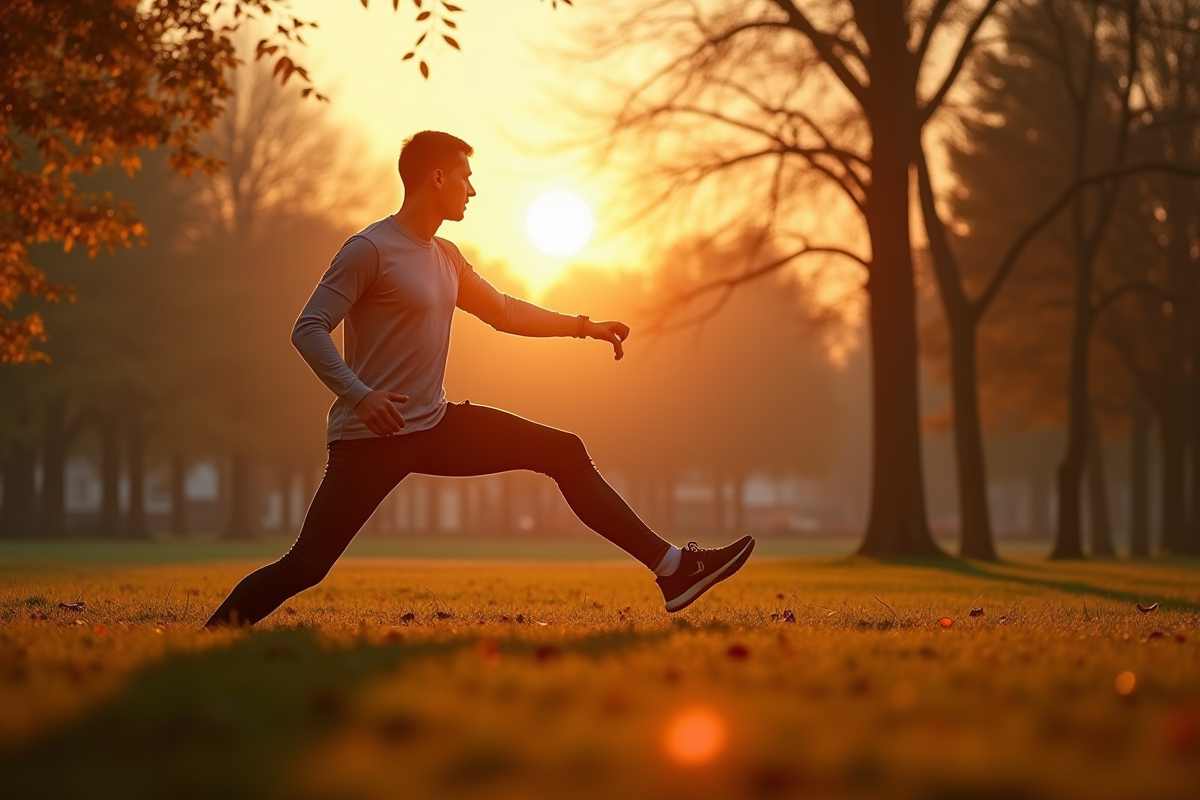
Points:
(424, 70)
(450, 41)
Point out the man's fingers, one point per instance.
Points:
(618, 348)
(395, 421)
(397, 398)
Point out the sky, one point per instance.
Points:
(495, 93)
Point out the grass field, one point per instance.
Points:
(554, 679)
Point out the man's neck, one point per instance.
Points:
(418, 221)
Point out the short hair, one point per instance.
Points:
(426, 151)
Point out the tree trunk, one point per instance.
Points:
(109, 434)
(976, 527)
(1174, 498)
(178, 478)
(897, 524)
(135, 443)
(239, 525)
(1068, 542)
(739, 504)
(1139, 484)
(17, 513)
(1101, 523)
(52, 519)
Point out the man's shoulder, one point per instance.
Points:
(373, 232)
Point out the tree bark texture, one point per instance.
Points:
(1173, 454)
(976, 527)
(109, 433)
(17, 512)
(177, 475)
(898, 524)
(135, 448)
(239, 524)
(1101, 522)
(1139, 483)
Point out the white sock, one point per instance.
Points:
(669, 563)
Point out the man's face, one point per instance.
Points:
(455, 189)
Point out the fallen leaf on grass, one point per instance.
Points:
(977, 612)
(521, 619)
(291, 612)
(788, 616)
(445, 615)
(1147, 609)
(73, 606)
(945, 622)
(737, 652)
(1157, 635)
(408, 617)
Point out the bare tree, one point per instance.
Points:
(805, 118)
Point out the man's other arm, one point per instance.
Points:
(351, 272)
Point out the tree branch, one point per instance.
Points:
(1046, 217)
(959, 60)
(728, 284)
(822, 42)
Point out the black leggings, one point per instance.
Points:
(469, 440)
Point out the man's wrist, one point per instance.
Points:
(583, 326)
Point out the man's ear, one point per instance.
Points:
(439, 178)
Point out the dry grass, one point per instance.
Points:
(563, 680)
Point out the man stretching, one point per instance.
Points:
(396, 285)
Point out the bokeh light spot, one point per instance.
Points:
(695, 736)
(1125, 683)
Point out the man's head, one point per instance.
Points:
(434, 170)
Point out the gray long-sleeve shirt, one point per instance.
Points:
(397, 295)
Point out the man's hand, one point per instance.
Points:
(614, 332)
(378, 412)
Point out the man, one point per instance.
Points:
(396, 285)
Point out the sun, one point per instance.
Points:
(559, 223)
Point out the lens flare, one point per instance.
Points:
(695, 736)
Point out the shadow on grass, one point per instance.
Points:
(226, 722)
(1008, 572)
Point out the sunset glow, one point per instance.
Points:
(559, 223)
(695, 736)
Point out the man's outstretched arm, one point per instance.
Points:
(511, 315)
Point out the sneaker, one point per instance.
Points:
(700, 569)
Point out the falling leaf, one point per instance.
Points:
(737, 652)
(779, 595)
(945, 622)
(1147, 609)
(977, 612)
(424, 70)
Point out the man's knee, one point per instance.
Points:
(570, 455)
